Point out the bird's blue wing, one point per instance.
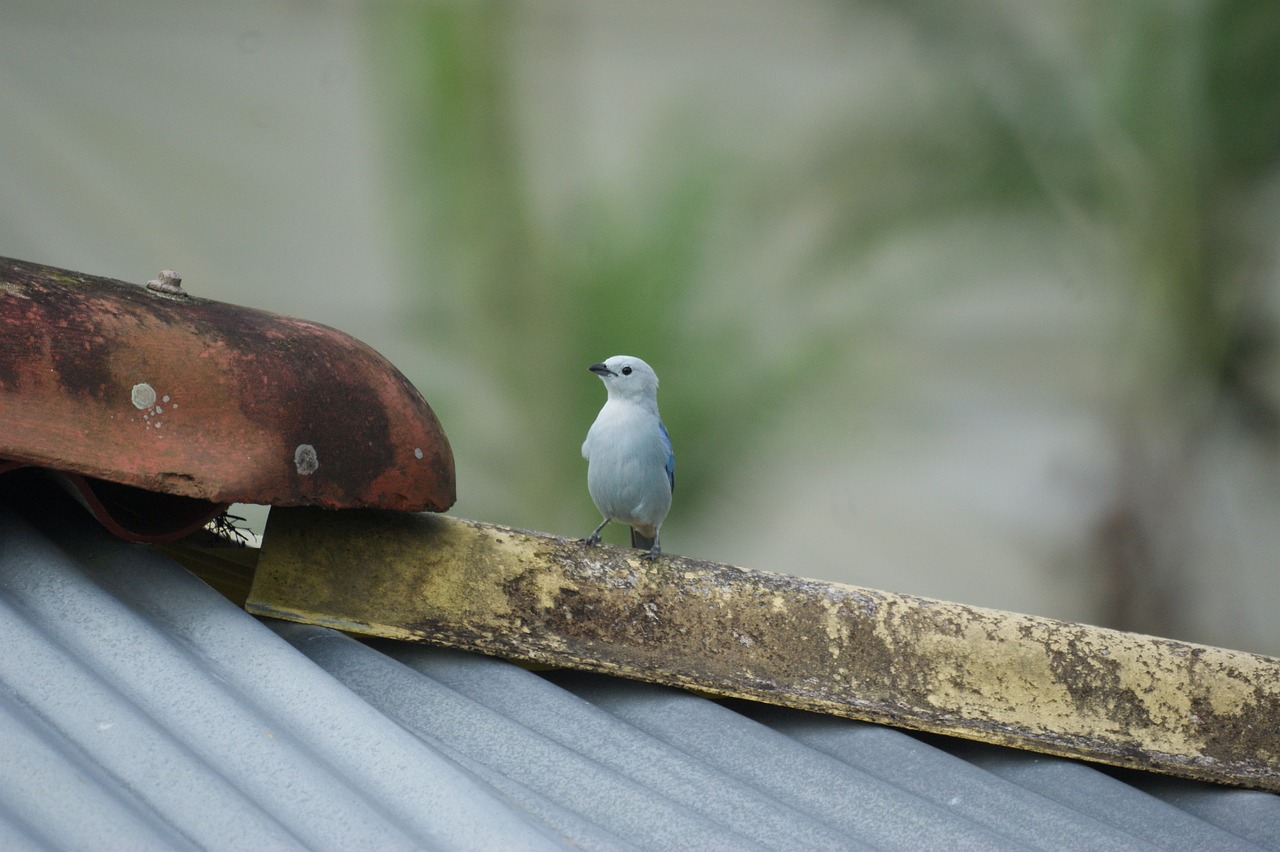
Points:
(671, 456)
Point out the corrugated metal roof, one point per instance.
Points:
(141, 709)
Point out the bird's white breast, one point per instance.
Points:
(626, 470)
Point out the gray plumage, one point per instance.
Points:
(630, 465)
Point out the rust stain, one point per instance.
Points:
(207, 400)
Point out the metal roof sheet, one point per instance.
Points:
(141, 709)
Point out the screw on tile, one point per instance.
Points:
(168, 285)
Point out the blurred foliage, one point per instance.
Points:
(1137, 124)
(1144, 131)
(523, 302)
(1151, 130)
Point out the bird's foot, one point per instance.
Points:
(651, 554)
(591, 540)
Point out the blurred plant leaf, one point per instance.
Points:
(526, 304)
(1133, 133)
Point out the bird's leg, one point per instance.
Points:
(594, 538)
(655, 551)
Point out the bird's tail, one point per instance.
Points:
(639, 541)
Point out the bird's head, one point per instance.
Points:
(626, 377)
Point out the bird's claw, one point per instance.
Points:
(591, 540)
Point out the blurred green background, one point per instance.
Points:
(974, 301)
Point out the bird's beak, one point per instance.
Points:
(601, 370)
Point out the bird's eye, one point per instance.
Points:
(626, 371)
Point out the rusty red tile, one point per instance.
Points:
(206, 400)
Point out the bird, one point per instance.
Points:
(631, 469)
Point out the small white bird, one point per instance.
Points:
(631, 470)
